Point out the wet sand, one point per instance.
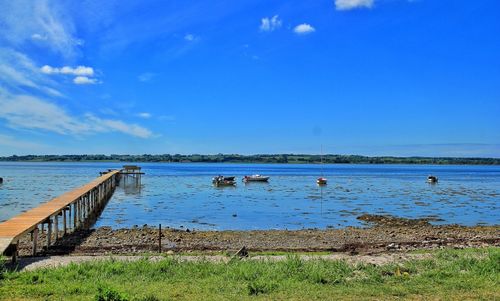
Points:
(386, 234)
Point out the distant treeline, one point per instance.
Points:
(232, 158)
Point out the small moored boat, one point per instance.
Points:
(255, 178)
(432, 179)
(223, 181)
(321, 181)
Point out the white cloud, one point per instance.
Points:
(78, 71)
(38, 37)
(83, 80)
(83, 73)
(190, 37)
(303, 29)
(28, 112)
(144, 115)
(353, 4)
(270, 24)
(147, 76)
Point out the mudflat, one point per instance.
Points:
(386, 234)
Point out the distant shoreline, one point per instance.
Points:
(255, 159)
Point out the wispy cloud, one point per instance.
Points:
(145, 77)
(270, 24)
(83, 80)
(39, 37)
(110, 125)
(29, 112)
(18, 71)
(144, 115)
(9, 141)
(303, 29)
(41, 22)
(353, 4)
(191, 37)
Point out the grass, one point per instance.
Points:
(450, 274)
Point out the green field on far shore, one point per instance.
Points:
(448, 274)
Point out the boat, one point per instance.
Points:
(255, 178)
(321, 181)
(223, 181)
(432, 179)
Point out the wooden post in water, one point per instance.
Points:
(49, 232)
(74, 216)
(56, 225)
(80, 213)
(64, 220)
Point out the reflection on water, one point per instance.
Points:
(182, 195)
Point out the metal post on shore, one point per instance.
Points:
(159, 238)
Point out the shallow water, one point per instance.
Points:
(182, 196)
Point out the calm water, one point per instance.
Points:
(181, 195)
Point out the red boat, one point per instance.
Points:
(321, 181)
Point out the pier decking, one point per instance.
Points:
(81, 204)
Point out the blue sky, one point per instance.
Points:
(370, 77)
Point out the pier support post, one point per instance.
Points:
(64, 220)
(75, 214)
(84, 211)
(87, 197)
(15, 252)
(49, 232)
(35, 241)
(80, 214)
(56, 225)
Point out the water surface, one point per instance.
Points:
(182, 196)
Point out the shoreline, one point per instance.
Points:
(254, 163)
(386, 235)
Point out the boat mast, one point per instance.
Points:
(321, 160)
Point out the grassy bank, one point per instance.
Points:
(450, 274)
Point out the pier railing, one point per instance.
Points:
(65, 213)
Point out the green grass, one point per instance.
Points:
(451, 274)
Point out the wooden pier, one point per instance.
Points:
(133, 172)
(61, 215)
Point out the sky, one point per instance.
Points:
(368, 77)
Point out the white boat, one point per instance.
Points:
(255, 178)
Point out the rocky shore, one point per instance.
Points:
(387, 234)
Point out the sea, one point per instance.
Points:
(181, 195)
